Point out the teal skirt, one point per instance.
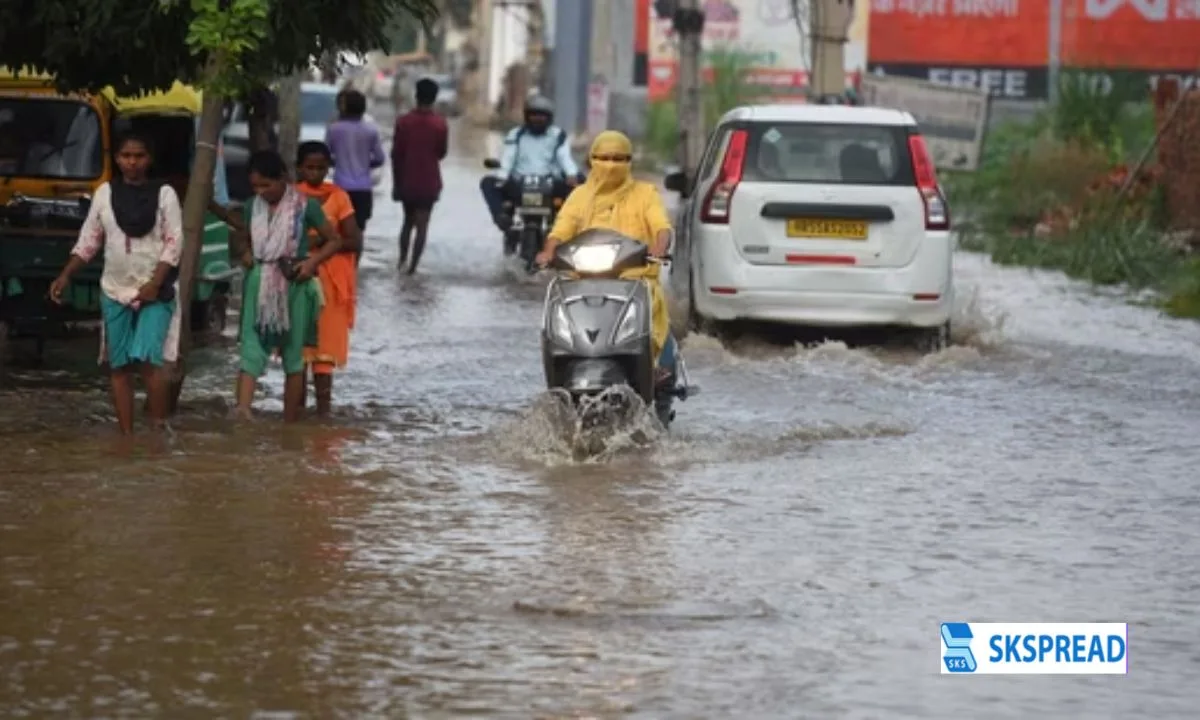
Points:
(135, 336)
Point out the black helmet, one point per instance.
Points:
(539, 105)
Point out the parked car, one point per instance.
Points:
(816, 215)
(318, 108)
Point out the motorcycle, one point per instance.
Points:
(533, 215)
(596, 326)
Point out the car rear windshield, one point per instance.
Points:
(318, 108)
(50, 139)
(828, 154)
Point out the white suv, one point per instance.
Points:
(816, 215)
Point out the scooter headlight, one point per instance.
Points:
(560, 325)
(594, 258)
(630, 324)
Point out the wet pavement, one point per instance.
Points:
(786, 551)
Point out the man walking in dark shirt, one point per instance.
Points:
(419, 145)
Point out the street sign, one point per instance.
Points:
(952, 119)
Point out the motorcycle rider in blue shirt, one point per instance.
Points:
(539, 147)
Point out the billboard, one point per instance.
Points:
(763, 32)
(1141, 34)
(641, 43)
(1003, 46)
(996, 45)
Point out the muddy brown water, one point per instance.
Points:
(786, 551)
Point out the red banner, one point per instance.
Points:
(1125, 34)
(641, 28)
(1132, 34)
(1010, 33)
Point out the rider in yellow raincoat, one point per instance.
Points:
(612, 199)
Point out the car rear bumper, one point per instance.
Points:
(920, 294)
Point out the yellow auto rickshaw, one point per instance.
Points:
(55, 150)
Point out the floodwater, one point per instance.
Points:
(786, 551)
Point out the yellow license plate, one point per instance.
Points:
(838, 229)
(534, 199)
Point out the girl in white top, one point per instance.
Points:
(138, 223)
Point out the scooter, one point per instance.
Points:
(596, 326)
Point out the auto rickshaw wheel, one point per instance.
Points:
(209, 316)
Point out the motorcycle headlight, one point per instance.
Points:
(594, 258)
(560, 325)
(628, 327)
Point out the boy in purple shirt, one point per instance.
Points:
(357, 150)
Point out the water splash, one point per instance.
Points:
(975, 332)
(971, 325)
(513, 268)
(556, 430)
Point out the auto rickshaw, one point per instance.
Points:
(55, 150)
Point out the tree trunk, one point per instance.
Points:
(195, 207)
(263, 116)
(289, 120)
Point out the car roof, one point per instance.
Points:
(835, 114)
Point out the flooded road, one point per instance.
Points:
(786, 552)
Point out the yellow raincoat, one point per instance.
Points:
(612, 199)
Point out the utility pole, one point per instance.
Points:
(829, 24)
(572, 60)
(688, 23)
(482, 106)
(535, 44)
(1054, 58)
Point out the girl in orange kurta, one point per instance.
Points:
(339, 278)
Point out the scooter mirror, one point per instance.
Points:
(491, 164)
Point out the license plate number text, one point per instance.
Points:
(820, 228)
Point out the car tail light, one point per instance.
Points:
(720, 197)
(937, 212)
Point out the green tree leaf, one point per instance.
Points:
(91, 44)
